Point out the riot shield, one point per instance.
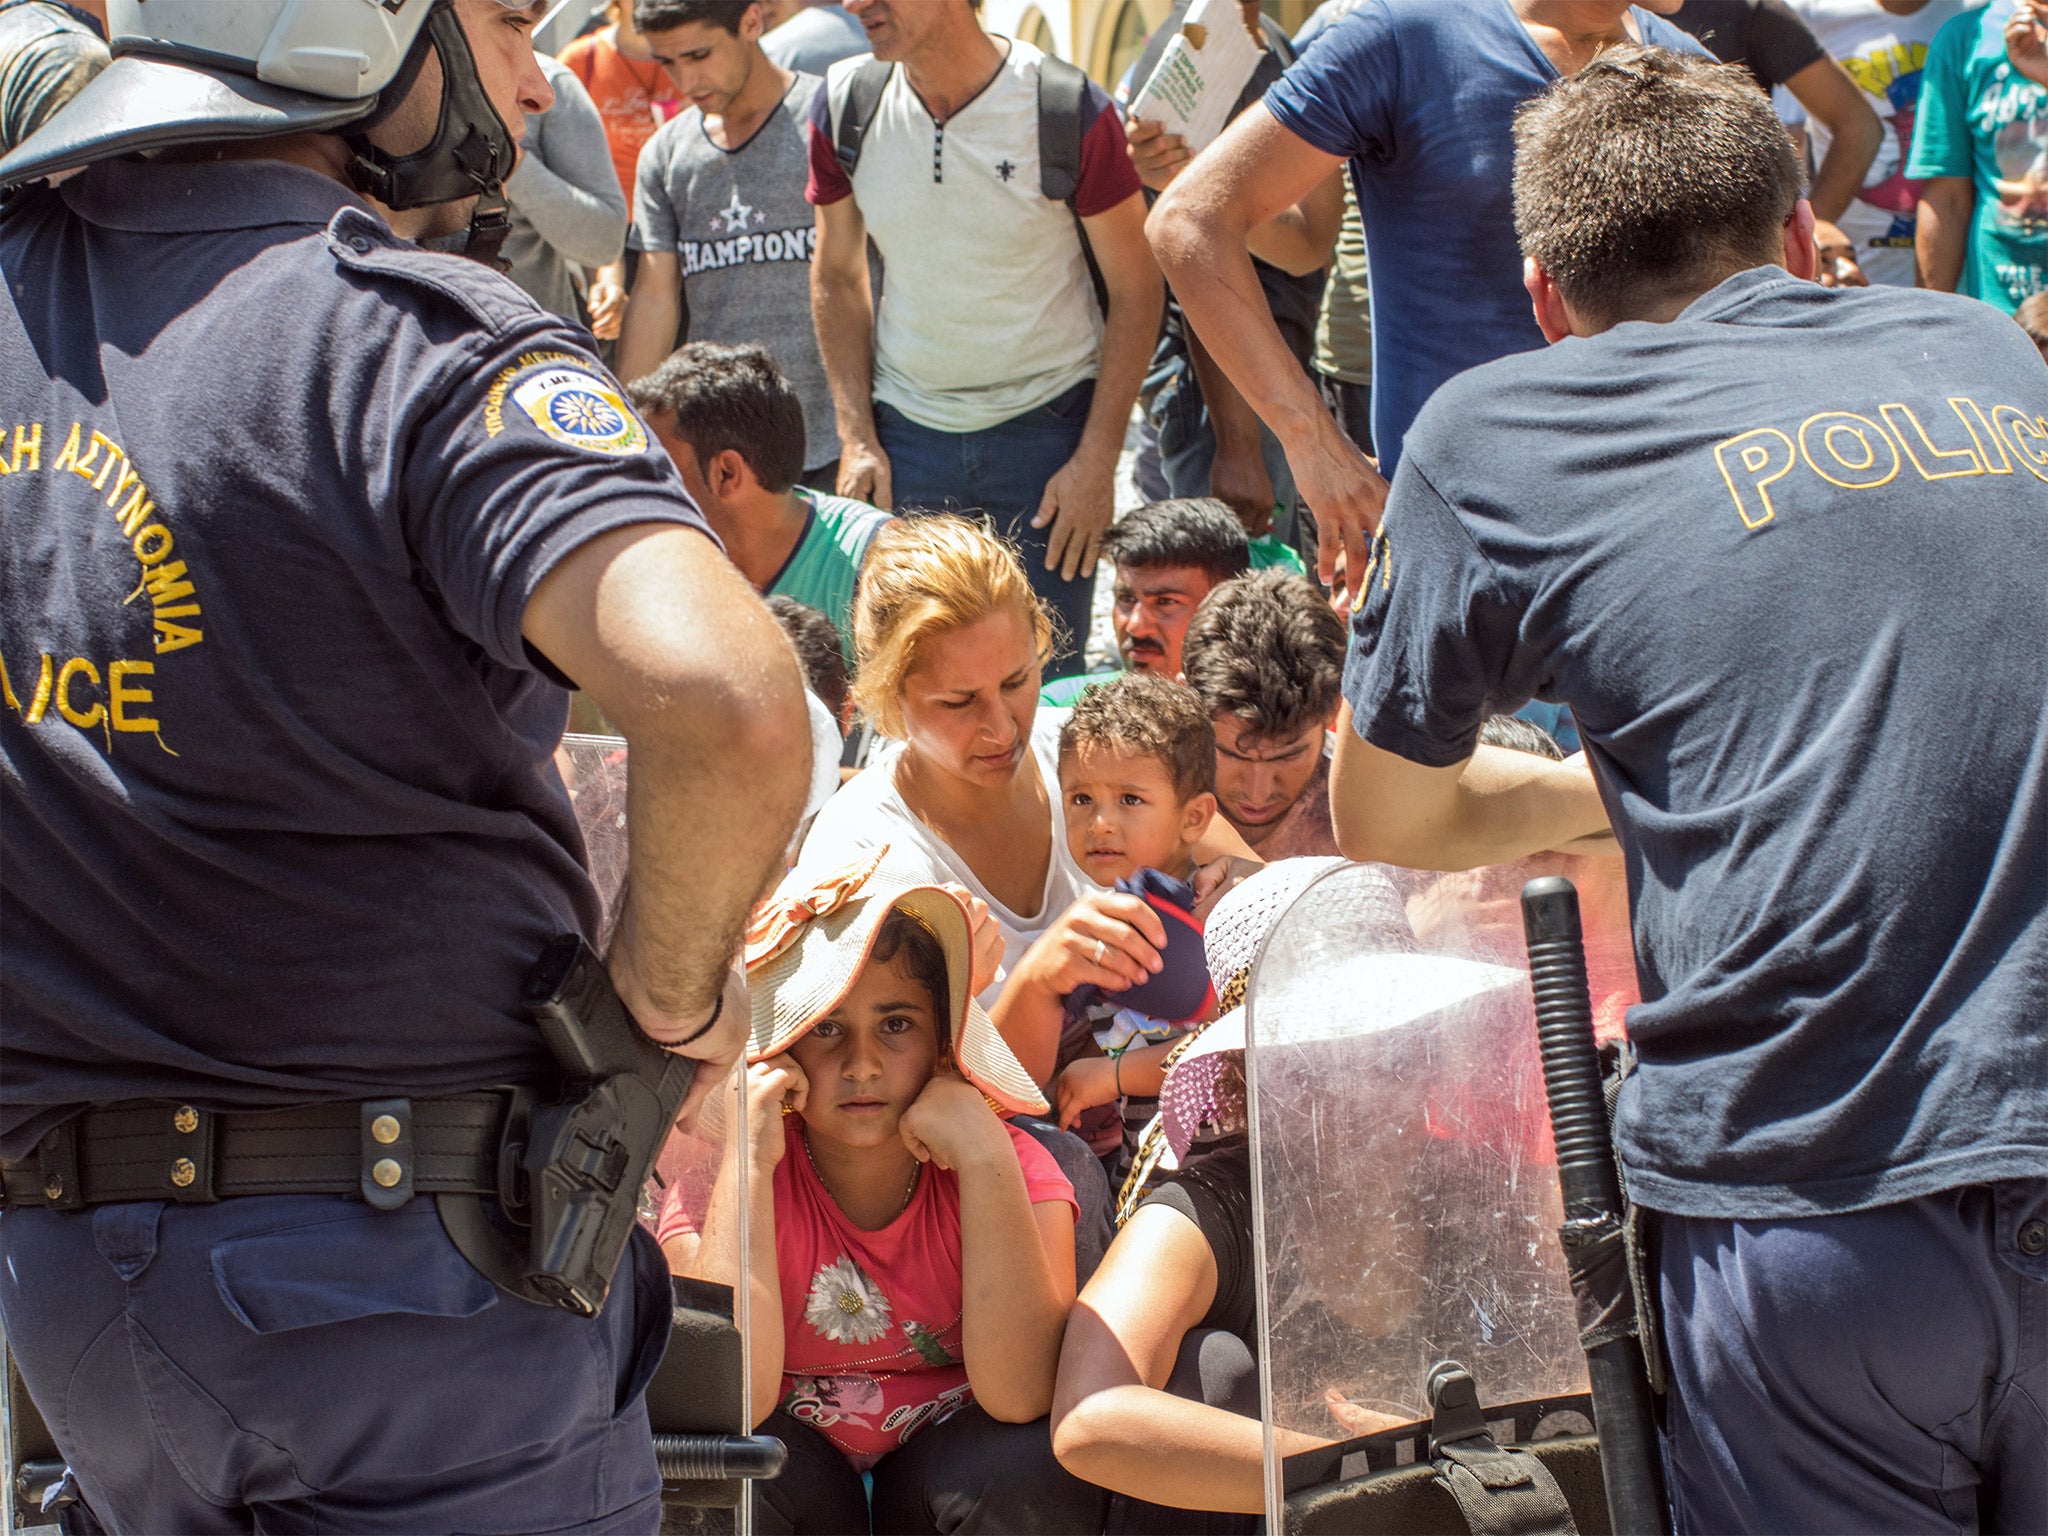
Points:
(697, 1401)
(593, 769)
(1406, 1198)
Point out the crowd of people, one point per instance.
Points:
(1446, 557)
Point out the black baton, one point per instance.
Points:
(1594, 1249)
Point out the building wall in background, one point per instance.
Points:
(1103, 36)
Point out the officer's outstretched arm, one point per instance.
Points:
(1494, 807)
(667, 637)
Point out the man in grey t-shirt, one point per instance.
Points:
(569, 213)
(719, 218)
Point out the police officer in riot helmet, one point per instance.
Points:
(308, 530)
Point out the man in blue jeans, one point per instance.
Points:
(987, 378)
(1782, 550)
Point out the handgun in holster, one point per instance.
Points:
(570, 1168)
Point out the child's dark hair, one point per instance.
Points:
(1144, 713)
(903, 939)
(816, 639)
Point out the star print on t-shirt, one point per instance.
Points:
(734, 217)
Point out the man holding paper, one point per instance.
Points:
(1207, 63)
(1420, 97)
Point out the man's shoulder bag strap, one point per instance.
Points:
(863, 100)
(1062, 98)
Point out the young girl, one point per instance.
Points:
(912, 1255)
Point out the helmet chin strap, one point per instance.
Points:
(470, 154)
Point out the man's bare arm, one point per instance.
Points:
(1941, 231)
(1496, 806)
(1198, 229)
(843, 313)
(659, 628)
(1303, 238)
(1831, 97)
(1238, 477)
(654, 313)
(1080, 499)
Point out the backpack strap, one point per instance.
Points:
(1062, 94)
(863, 100)
(1062, 97)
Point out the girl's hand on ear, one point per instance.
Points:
(772, 1085)
(950, 1124)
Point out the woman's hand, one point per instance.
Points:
(1083, 1086)
(770, 1085)
(1107, 938)
(950, 1124)
(987, 935)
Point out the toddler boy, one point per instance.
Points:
(1137, 791)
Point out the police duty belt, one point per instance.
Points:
(383, 1151)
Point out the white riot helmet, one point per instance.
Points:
(197, 71)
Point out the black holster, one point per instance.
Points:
(570, 1169)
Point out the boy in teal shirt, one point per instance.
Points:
(1981, 143)
(735, 429)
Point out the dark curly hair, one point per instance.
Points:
(1144, 713)
(1268, 650)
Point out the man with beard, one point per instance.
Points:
(1168, 555)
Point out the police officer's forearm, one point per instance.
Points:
(1941, 231)
(1495, 807)
(669, 640)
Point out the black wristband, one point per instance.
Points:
(717, 1012)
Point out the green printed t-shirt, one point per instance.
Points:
(1066, 692)
(1268, 551)
(1981, 118)
(825, 565)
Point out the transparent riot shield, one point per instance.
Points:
(1406, 1200)
(696, 1203)
(593, 769)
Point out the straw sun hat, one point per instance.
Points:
(808, 943)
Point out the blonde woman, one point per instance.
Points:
(951, 641)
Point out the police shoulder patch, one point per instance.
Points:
(575, 406)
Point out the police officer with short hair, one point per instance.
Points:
(307, 532)
(1784, 551)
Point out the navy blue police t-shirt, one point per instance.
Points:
(1420, 97)
(282, 823)
(1786, 558)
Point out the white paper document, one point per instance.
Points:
(1201, 73)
